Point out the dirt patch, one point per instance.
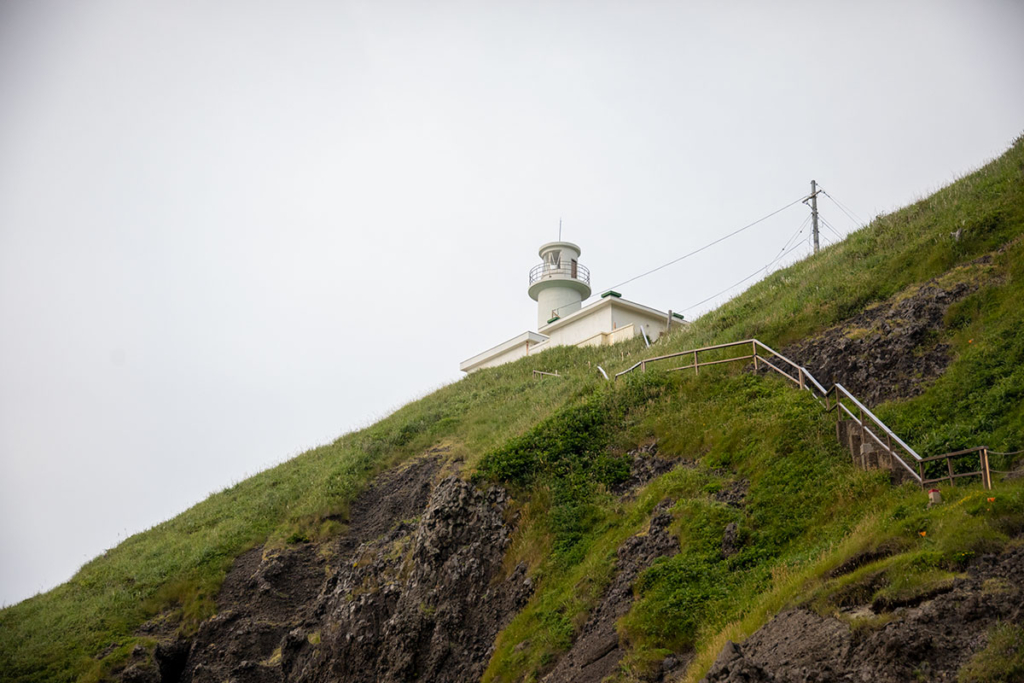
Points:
(931, 641)
(887, 352)
(596, 652)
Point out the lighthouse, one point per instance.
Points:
(559, 283)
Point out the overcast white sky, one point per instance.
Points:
(230, 231)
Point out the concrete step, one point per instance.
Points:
(866, 453)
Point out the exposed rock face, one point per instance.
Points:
(730, 540)
(262, 596)
(270, 592)
(734, 494)
(886, 352)
(597, 650)
(413, 590)
(646, 466)
(424, 602)
(931, 641)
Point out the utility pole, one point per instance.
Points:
(814, 213)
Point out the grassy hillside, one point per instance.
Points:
(558, 442)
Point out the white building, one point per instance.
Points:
(559, 285)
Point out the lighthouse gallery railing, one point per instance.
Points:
(574, 271)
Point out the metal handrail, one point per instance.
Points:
(545, 270)
(805, 380)
(817, 385)
(839, 387)
(683, 353)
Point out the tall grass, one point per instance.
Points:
(808, 509)
(804, 498)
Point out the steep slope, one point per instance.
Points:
(932, 636)
(748, 479)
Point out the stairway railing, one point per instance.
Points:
(832, 399)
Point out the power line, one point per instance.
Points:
(843, 208)
(785, 250)
(832, 228)
(740, 282)
(795, 234)
(709, 244)
(695, 251)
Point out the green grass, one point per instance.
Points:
(740, 427)
(981, 394)
(178, 566)
(560, 443)
(806, 502)
(1002, 661)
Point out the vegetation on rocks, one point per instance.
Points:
(757, 460)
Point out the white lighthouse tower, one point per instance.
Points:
(559, 284)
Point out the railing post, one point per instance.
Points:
(860, 415)
(696, 370)
(753, 349)
(643, 366)
(949, 466)
(984, 468)
(920, 472)
(800, 374)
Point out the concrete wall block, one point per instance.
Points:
(869, 454)
(885, 460)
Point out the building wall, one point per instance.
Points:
(623, 333)
(582, 329)
(609, 322)
(608, 325)
(655, 326)
(507, 356)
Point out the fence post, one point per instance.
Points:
(643, 366)
(920, 472)
(696, 370)
(949, 466)
(753, 348)
(800, 374)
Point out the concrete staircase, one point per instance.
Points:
(867, 454)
